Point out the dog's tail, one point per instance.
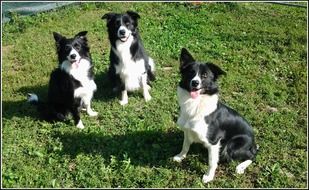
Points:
(45, 111)
(151, 70)
(33, 99)
(42, 108)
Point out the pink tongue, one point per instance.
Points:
(75, 64)
(194, 94)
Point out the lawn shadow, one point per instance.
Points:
(144, 148)
(104, 88)
(22, 108)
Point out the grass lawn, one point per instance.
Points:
(261, 46)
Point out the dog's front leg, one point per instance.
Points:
(213, 159)
(124, 98)
(78, 122)
(87, 102)
(86, 95)
(145, 88)
(185, 148)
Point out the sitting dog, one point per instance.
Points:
(130, 67)
(71, 85)
(204, 119)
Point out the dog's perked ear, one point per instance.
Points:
(217, 71)
(81, 34)
(185, 58)
(133, 15)
(58, 37)
(108, 16)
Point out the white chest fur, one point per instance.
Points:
(193, 112)
(80, 73)
(130, 71)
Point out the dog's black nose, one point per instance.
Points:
(122, 32)
(73, 56)
(195, 83)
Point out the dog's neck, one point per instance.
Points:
(198, 107)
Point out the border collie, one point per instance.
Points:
(204, 119)
(71, 85)
(130, 67)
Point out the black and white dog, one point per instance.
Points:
(71, 85)
(204, 119)
(130, 67)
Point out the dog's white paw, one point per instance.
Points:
(178, 158)
(80, 125)
(147, 98)
(207, 178)
(92, 113)
(123, 102)
(240, 169)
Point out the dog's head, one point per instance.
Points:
(198, 78)
(121, 26)
(71, 49)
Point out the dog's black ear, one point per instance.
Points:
(58, 37)
(133, 15)
(185, 58)
(216, 70)
(81, 34)
(108, 16)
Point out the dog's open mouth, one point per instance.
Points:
(75, 62)
(124, 39)
(195, 93)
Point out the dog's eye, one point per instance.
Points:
(191, 73)
(76, 46)
(67, 48)
(204, 76)
(127, 24)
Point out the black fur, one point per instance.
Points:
(234, 131)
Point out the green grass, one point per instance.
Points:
(261, 46)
